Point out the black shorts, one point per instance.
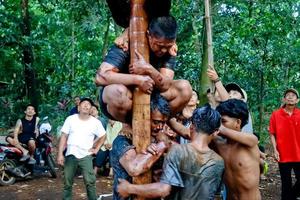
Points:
(23, 138)
(103, 108)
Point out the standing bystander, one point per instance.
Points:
(74, 110)
(285, 137)
(78, 132)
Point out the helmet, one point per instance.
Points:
(45, 128)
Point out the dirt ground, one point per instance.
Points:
(44, 188)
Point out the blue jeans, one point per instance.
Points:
(102, 158)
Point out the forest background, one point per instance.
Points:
(51, 49)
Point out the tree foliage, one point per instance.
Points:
(256, 44)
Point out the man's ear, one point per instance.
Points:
(192, 128)
(238, 123)
(297, 101)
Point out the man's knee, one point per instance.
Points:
(10, 140)
(118, 96)
(31, 144)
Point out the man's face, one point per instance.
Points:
(85, 107)
(290, 99)
(234, 94)
(94, 112)
(231, 123)
(77, 101)
(158, 121)
(160, 46)
(30, 111)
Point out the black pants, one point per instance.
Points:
(289, 191)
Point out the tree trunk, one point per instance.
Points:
(29, 73)
(106, 34)
(141, 101)
(207, 59)
(261, 104)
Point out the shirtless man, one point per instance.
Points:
(239, 151)
(118, 78)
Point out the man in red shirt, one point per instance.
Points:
(285, 138)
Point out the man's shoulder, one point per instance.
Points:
(297, 111)
(120, 140)
(278, 111)
(72, 118)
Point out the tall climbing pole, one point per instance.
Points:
(141, 102)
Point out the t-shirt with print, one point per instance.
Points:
(192, 174)
(120, 59)
(81, 134)
(119, 147)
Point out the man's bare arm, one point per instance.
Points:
(162, 78)
(136, 164)
(249, 140)
(152, 190)
(36, 130)
(108, 74)
(179, 128)
(274, 145)
(17, 129)
(98, 143)
(212, 74)
(61, 147)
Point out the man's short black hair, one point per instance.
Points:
(234, 108)
(159, 103)
(206, 120)
(163, 27)
(30, 105)
(88, 100)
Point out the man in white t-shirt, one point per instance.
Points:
(79, 132)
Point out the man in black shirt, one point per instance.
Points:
(25, 132)
(118, 78)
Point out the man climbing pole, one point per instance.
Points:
(117, 79)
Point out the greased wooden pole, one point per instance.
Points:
(141, 101)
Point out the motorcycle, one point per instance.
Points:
(11, 168)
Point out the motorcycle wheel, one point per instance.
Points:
(5, 178)
(51, 164)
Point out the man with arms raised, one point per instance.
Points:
(190, 171)
(239, 151)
